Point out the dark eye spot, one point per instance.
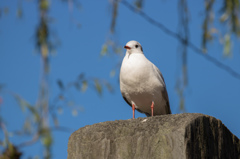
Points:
(136, 46)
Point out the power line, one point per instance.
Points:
(178, 37)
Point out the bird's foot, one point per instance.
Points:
(133, 108)
(152, 106)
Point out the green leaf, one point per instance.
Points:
(138, 4)
(182, 105)
(44, 4)
(81, 76)
(6, 10)
(24, 104)
(98, 87)
(74, 112)
(36, 157)
(104, 50)
(60, 84)
(19, 13)
(118, 50)
(27, 127)
(114, 16)
(224, 17)
(46, 137)
(112, 73)
(60, 110)
(34, 111)
(61, 97)
(227, 51)
(109, 87)
(55, 121)
(84, 86)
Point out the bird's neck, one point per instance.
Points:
(134, 55)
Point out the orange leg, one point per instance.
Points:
(133, 108)
(152, 106)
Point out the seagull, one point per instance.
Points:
(142, 84)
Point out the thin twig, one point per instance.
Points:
(62, 128)
(197, 50)
(32, 141)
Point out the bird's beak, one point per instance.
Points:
(127, 47)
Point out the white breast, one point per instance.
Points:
(141, 83)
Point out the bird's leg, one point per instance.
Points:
(152, 106)
(133, 108)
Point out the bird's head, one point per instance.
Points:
(133, 47)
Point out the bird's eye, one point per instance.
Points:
(136, 46)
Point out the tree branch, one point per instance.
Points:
(197, 50)
(32, 141)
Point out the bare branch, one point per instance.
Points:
(62, 128)
(197, 50)
(32, 141)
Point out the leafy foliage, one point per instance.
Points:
(209, 17)
(37, 122)
(230, 12)
(11, 152)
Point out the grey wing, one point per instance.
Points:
(164, 90)
(165, 96)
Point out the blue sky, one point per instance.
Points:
(210, 91)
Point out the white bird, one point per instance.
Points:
(142, 84)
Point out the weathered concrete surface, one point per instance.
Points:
(176, 136)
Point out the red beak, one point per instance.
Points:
(127, 47)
